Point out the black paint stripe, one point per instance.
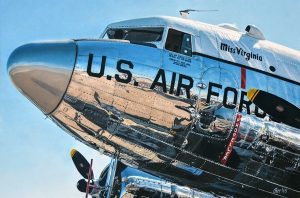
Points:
(247, 67)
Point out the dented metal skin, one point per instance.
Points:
(205, 139)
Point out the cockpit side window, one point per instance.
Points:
(136, 35)
(179, 42)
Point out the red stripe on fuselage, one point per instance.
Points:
(235, 132)
(243, 78)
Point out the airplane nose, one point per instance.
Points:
(42, 71)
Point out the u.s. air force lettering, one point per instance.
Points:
(184, 85)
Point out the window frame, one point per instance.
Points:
(137, 29)
(184, 33)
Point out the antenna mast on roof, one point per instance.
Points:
(185, 13)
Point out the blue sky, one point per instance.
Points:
(34, 152)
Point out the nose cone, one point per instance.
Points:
(42, 71)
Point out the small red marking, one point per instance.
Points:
(89, 179)
(243, 78)
(232, 141)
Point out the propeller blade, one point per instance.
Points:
(278, 108)
(81, 186)
(81, 164)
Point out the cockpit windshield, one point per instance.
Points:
(136, 35)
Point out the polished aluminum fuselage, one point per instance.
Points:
(172, 133)
(186, 119)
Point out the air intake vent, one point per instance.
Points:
(254, 32)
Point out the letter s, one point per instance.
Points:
(124, 71)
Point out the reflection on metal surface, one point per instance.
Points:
(186, 119)
(141, 186)
(178, 137)
(157, 132)
(42, 71)
(120, 180)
